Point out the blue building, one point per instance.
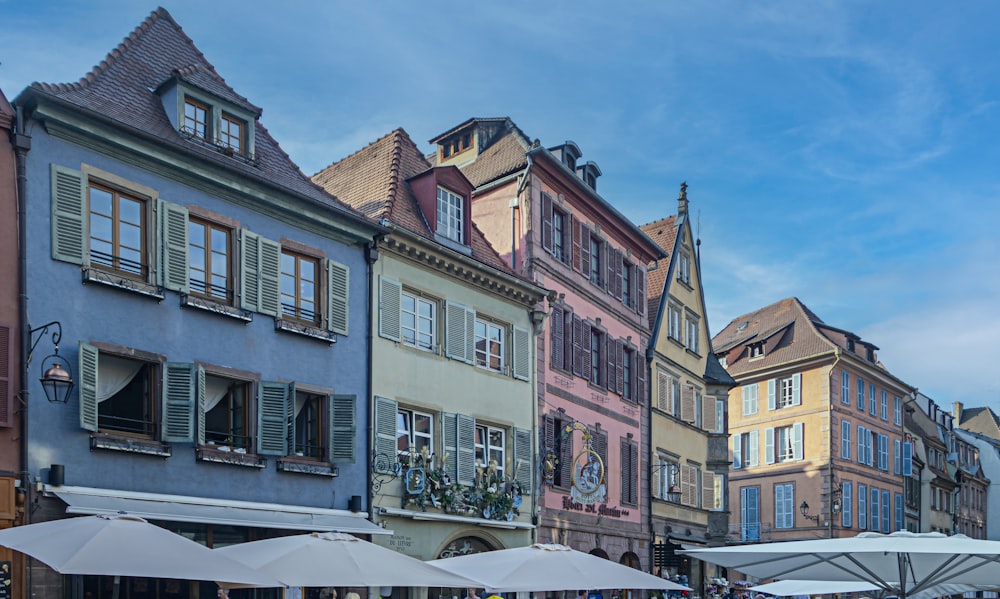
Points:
(214, 312)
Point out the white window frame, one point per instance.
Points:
(674, 321)
(691, 333)
(489, 327)
(786, 393)
(410, 417)
(684, 268)
(450, 215)
(486, 448)
(418, 300)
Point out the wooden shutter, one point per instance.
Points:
(6, 397)
(620, 368)
(609, 380)
(343, 428)
(89, 359)
(708, 415)
(687, 403)
(600, 445)
(619, 278)
(640, 289)
(640, 374)
(449, 442)
(548, 444)
(547, 222)
(797, 389)
(625, 469)
(772, 401)
(337, 293)
(69, 215)
(585, 250)
(578, 352)
(689, 486)
(522, 353)
(565, 455)
(270, 277)
(797, 441)
(385, 435)
(272, 420)
(249, 271)
(460, 336)
(173, 244)
(557, 331)
(662, 391)
(707, 490)
(769, 445)
(633, 475)
(200, 407)
(609, 270)
(178, 402)
(569, 341)
(577, 240)
(466, 439)
(524, 463)
(737, 451)
(390, 300)
(753, 449)
(291, 439)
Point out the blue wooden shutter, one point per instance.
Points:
(272, 422)
(249, 271)
(385, 457)
(178, 402)
(797, 389)
(291, 439)
(201, 405)
(89, 358)
(897, 455)
(524, 463)
(522, 353)
(390, 298)
(846, 505)
(466, 439)
(737, 451)
(449, 443)
(769, 445)
(797, 441)
(343, 428)
(907, 459)
(337, 293)
(270, 277)
(69, 215)
(771, 400)
(173, 245)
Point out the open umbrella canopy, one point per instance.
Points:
(336, 559)
(791, 588)
(901, 563)
(550, 567)
(123, 545)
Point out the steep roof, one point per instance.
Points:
(980, 420)
(787, 328)
(122, 90)
(663, 232)
(373, 180)
(505, 156)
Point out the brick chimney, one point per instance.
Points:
(682, 200)
(956, 412)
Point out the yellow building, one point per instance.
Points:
(816, 428)
(689, 389)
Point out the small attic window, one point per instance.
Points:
(742, 326)
(457, 144)
(850, 344)
(755, 350)
(570, 161)
(215, 124)
(196, 119)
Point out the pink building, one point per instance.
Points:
(541, 211)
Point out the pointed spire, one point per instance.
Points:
(682, 200)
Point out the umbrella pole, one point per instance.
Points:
(118, 583)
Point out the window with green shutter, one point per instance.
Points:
(118, 394)
(272, 421)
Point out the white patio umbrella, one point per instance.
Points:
(901, 563)
(791, 588)
(123, 545)
(336, 559)
(550, 567)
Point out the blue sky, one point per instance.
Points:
(842, 152)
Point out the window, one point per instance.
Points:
(125, 395)
(749, 399)
(414, 433)
(559, 240)
(209, 264)
(897, 410)
(596, 356)
(846, 502)
(417, 321)
(721, 406)
(749, 514)
(231, 133)
(861, 393)
(786, 398)
(845, 439)
(783, 444)
(684, 268)
(883, 452)
(862, 506)
(886, 508)
(628, 356)
(884, 404)
(556, 235)
(755, 350)
(450, 215)
(596, 249)
(627, 292)
(310, 413)
(873, 510)
(745, 450)
(784, 505)
(118, 232)
(691, 337)
(872, 400)
(784, 393)
(845, 387)
(674, 322)
(491, 447)
(490, 345)
(227, 413)
(675, 394)
(196, 119)
(299, 287)
(667, 476)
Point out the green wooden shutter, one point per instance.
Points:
(337, 288)
(272, 421)
(173, 244)
(522, 353)
(456, 332)
(449, 436)
(178, 402)
(384, 460)
(524, 463)
(466, 439)
(343, 427)
(270, 277)
(390, 298)
(249, 273)
(69, 215)
(201, 405)
(290, 436)
(89, 357)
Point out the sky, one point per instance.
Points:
(844, 152)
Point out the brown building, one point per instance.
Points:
(816, 428)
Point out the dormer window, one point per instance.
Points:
(217, 125)
(450, 215)
(756, 350)
(571, 161)
(456, 144)
(196, 117)
(231, 133)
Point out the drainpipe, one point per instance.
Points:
(649, 457)
(22, 144)
(834, 442)
(523, 183)
(371, 256)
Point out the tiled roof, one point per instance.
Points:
(663, 232)
(980, 420)
(373, 180)
(121, 89)
(800, 339)
(505, 156)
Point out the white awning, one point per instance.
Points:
(179, 508)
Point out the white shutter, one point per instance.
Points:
(466, 441)
(753, 449)
(769, 445)
(797, 441)
(385, 456)
(456, 342)
(737, 451)
(522, 353)
(390, 298)
(771, 399)
(797, 389)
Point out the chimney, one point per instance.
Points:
(682, 200)
(956, 412)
